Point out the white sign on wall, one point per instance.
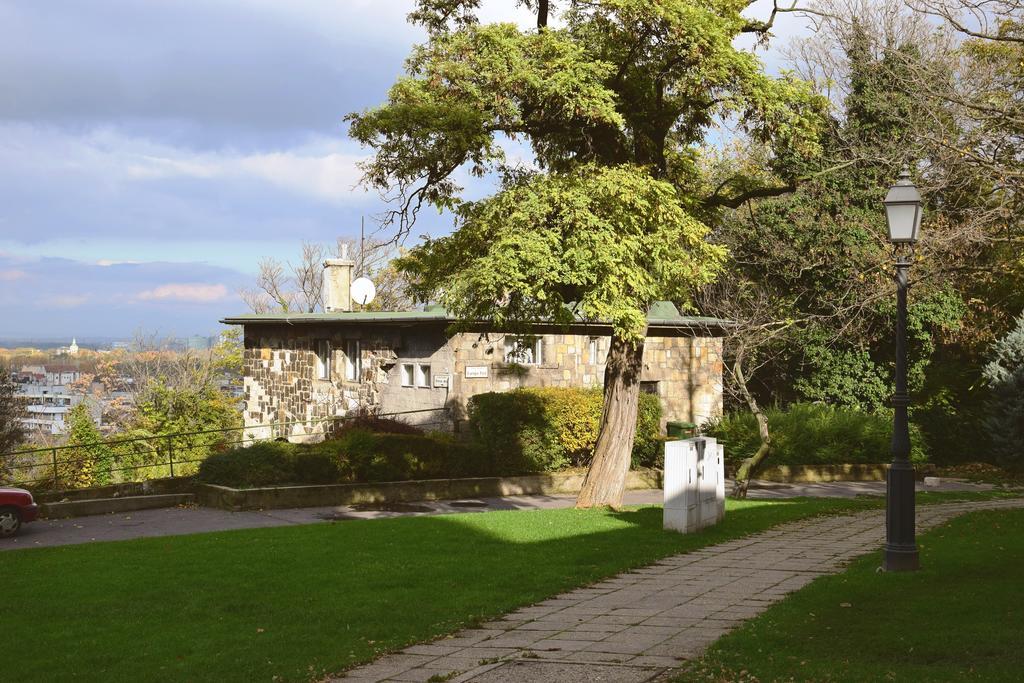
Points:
(476, 371)
(441, 380)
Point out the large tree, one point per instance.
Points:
(614, 99)
(12, 433)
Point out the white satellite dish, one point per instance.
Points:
(363, 291)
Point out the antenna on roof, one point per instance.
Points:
(362, 246)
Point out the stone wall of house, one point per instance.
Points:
(284, 397)
(685, 372)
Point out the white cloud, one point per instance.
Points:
(65, 301)
(322, 168)
(11, 275)
(191, 293)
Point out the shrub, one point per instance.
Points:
(649, 444)
(548, 429)
(373, 423)
(363, 455)
(1004, 375)
(813, 434)
(261, 464)
(313, 466)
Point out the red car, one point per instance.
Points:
(16, 508)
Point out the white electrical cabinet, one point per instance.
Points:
(694, 484)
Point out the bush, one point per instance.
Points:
(548, 429)
(368, 456)
(313, 466)
(373, 423)
(649, 443)
(261, 464)
(813, 434)
(357, 455)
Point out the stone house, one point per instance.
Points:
(304, 369)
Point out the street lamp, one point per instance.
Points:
(903, 214)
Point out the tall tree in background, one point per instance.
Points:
(614, 104)
(810, 285)
(11, 431)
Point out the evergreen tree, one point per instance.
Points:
(12, 433)
(89, 461)
(1005, 377)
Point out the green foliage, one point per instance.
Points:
(12, 434)
(1005, 377)
(610, 241)
(648, 443)
(89, 461)
(845, 377)
(372, 456)
(813, 434)
(261, 464)
(354, 455)
(205, 421)
(614, 214)
(548, 429)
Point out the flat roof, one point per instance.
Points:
(662, 315)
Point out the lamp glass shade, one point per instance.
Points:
(904, 221)
(903, 210)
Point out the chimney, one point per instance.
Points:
(338, 282)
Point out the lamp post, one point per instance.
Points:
(903, 214)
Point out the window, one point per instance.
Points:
(423, 375)
(323, 359)
(523, 351)
(408, 372)
(353, 361)
(649, 388)
(593, 350)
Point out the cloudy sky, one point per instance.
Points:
(152, 151)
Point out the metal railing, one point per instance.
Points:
(152, 456)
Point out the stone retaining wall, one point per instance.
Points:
(406, 491)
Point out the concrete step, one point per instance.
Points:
(103, 506)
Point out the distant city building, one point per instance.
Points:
(47, 407)
(71, 350)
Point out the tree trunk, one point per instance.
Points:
(542, 14)
(606, 479)
(751, 464)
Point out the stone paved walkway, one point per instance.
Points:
(640, 625)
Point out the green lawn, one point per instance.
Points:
(294, 602)
(961, 618)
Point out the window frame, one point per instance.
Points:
(411, 376)
(353, 360)
(423, 379)
(322, 352)
(536, 350)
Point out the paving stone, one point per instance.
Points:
(523, 670)
(561, 645)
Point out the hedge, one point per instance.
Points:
(356, 455)
(519, 432)
(548, 429)
(813, 434)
